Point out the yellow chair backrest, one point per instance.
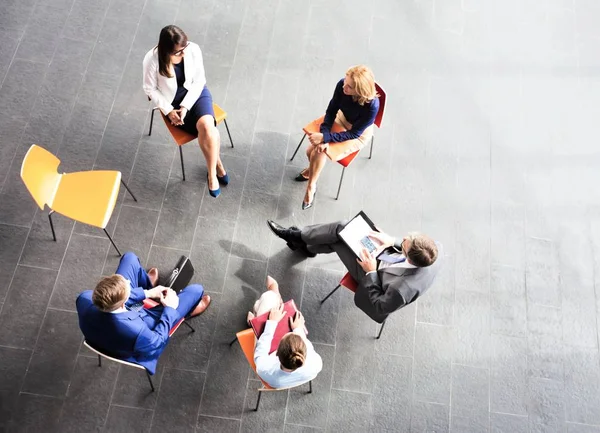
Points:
(39, 172)
(247, 341)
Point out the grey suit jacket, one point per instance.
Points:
(387, 290)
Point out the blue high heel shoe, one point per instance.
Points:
(223, 180)
(213, 192)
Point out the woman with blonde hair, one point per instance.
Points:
(351, 111)
(175, 81)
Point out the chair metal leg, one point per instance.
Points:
(182, 167)
(380, 330)
(52, 225)
(151, 121)
(99, 361)
(330, 293)
(227, 128)
(233, 341)
(258, 401)
(310, 386)
(371, 151)
(128, 190)
(189, 326)
(112, 242)
(150, 380)
(296, 151)
(340, 186)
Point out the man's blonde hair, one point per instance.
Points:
(364, 83)
(110, 293)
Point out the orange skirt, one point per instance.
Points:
(337, 151)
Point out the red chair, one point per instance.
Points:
(315, 126)
(350, 283)
(148, 303)
(182, 137)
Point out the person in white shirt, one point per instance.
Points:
(294, 362)
(175, 81)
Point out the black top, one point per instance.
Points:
(181, 91)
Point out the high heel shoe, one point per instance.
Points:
(213, 192)
(301, 177)
(223, 180)
(306, 205)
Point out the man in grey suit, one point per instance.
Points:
(404, 271)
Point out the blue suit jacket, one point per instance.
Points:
(134, 336)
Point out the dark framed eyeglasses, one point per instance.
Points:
(180, 52)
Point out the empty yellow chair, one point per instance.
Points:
(85, 196)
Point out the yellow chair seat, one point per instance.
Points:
(88, 196)
(220, 114)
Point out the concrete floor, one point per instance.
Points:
(489, 144)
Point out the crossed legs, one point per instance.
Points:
(209, 140)
(316, 162)
(323, 239)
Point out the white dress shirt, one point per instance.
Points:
(268, 366)
(161, 90)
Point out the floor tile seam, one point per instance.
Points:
(159, 215)
(15, 272)
(64, 310)
(162, 375)
(187, 370)
(42, 395)
(130, 407)
(88, 235)
(171, 248)
(20, 39)
(219, 313)
(112, 393)
(186, 250)
(244, 404)
(142, 132)
(352, 391)
(304, 425)
(8, 346)
(237, 46)
(120, 80)
(39, 90)
(581, 423)
(25, 265)
(596, 303)
(222, 417)
(507, 413)
(337, 325)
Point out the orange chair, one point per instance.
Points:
(350, 283)
(182, 137)
(101, 354)
(247, 342)
(315, 126)
(85, 196)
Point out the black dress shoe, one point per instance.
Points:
(290, 235)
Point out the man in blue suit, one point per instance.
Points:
(109, 323)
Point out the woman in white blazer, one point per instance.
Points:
(175, 81)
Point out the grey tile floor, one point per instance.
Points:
(490, 144)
